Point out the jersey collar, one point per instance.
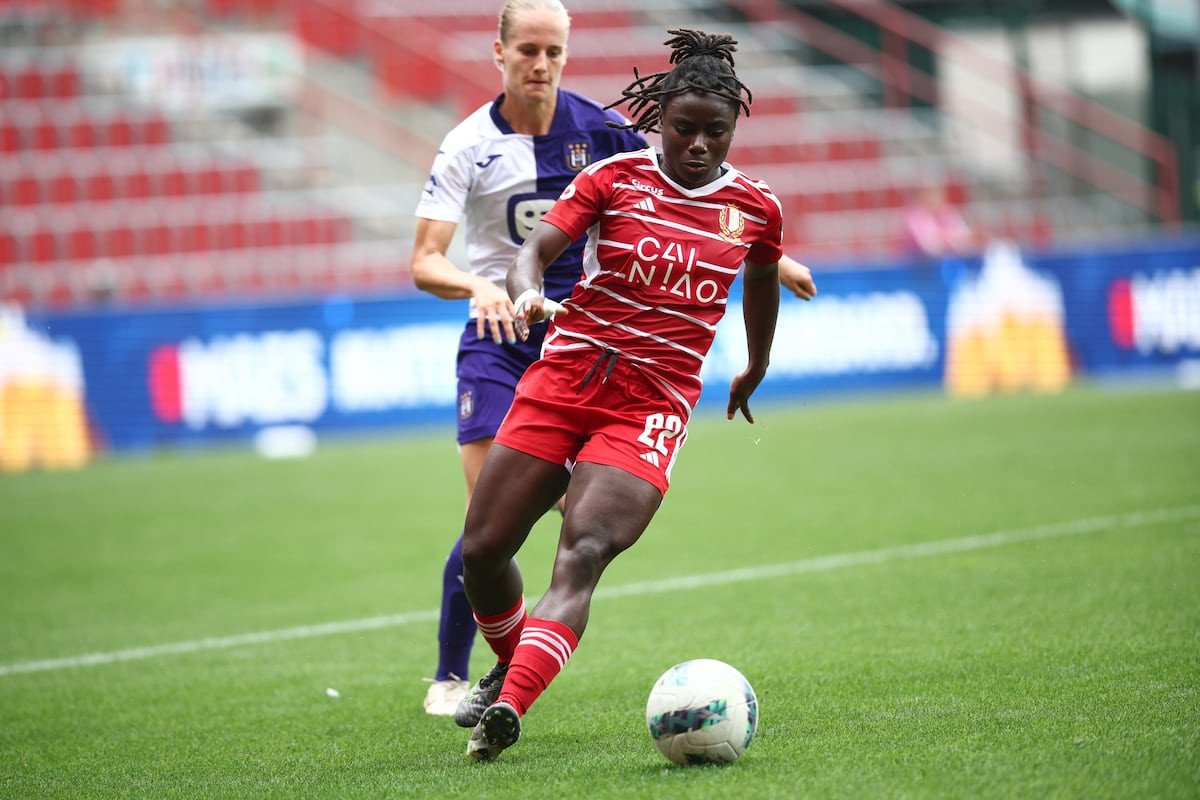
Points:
(560, 121)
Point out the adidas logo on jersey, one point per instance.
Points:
(646, 204)
(650, 457)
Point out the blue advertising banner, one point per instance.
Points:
(1006, 321)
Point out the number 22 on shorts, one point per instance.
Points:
(659, 428)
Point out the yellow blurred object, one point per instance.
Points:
(1020, 354)
(1005, 331)
(43, 421)
(41, 426)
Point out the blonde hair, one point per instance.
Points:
(514, 7)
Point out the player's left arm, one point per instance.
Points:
(760, 310)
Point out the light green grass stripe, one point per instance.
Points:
(658, 586)
(908, 551)
(220, 642)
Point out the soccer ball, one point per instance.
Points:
(702, 711)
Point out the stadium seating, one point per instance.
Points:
(89, 177)
(868, 162)
(92, 182)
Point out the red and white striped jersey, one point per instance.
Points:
(658, 263)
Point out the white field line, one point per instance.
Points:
(658, 586)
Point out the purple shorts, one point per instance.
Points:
(487, 380)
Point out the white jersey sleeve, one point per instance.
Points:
(497, 183)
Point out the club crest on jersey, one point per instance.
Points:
(579, 155)
(466, 404)
(732, 223)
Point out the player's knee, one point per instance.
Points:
(483, 551)
(582, 563)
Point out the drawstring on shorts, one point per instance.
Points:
(611, 356)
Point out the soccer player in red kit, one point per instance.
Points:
(603, 413)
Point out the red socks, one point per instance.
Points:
(534, 649)
(503, 631)
(545, 646)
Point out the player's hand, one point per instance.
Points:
(532, 309)
(495, 313)
(797, 278)
(740, 389)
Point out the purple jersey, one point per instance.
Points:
(501, 183)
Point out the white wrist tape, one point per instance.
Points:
(524, 298)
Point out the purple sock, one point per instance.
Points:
(456, 631)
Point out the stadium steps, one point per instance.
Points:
(101, 199)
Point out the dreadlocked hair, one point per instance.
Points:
(703, 63)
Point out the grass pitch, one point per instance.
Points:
(995, 598)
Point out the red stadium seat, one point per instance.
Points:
(326, 29)
(156, 131)
(136, 184)
(842, 200)
(206, 180)
(956, 191)
(43, 135)
(233, 234)
(28, 84)
(41, 246)
(95, 8)
(841, 149)
(10, 136)
(61, 188)
(173, 181)
(80, 133)
(117, 241)
(24, 189)
(220, 8)
(63, 82)
(9, 251)
(269, 232)
(81, 245)
(816, 201)
(99, 187)
(193, 237)
(118, 132)
(306, 231)
(241, 179)
(156, 239)
(774, 104)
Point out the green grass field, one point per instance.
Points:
(985, 599)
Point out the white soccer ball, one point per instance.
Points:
(702, 711)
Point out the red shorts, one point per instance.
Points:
(626, 421)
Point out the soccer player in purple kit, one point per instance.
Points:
(498, 172)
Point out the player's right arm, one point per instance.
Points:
(433, 272)
(544, 244)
